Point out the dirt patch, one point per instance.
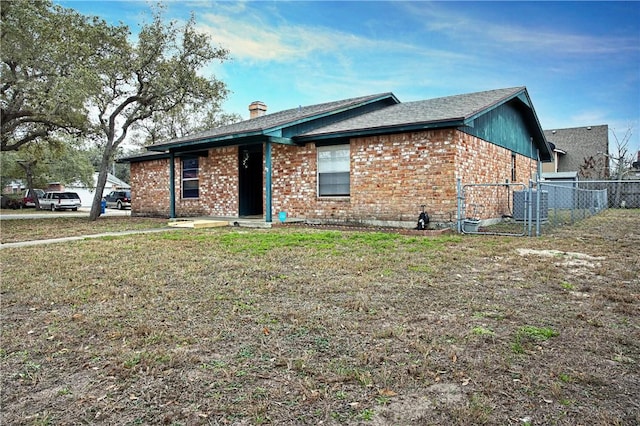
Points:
(566, 259)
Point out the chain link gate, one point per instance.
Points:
(508, 209)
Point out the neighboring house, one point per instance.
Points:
(368, 160)
(13, 187)
(584, 150)
(634, 173)
(87, 193)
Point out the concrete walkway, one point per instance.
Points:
(45, 214)
(84, 212)
(245, 223)
(84, 237)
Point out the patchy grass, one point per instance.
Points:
(303, 326)
(15, 230)
(25, 210)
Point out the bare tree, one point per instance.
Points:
(621, 161)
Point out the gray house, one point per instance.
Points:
(584, 150)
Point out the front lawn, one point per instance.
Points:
(305, 326)
(14, 230)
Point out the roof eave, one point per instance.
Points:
(543, 145)
(143, 157)
(497, 103)
(236, 137)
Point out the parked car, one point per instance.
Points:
(29, 196)
(119, 199)
(60, 200)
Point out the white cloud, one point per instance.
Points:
(251, 38)
(452, 22)
(254, 40)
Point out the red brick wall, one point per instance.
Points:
(391, 176)
(218, 185)
(481, 162)
(294, 180)
(387, 180)
(150, 188)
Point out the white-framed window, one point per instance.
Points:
(190, 177)
(333, 171)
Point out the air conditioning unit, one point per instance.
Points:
(520, 207)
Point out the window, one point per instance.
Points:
(513, 167)
(333, 170)
(190, 179)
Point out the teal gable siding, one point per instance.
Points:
(505, 127)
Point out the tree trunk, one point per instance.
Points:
(30, 190)
(27, 166)
(96, 206)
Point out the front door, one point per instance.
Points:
(250, 180)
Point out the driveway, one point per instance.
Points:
(44, 214)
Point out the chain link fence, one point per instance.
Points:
(621, 193)
(520, 209)
(568, 203)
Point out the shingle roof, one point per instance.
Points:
(579, 144)
(380, 113)
(278, 119)
(450, 108)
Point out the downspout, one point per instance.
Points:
(172, 186)
(267, 160)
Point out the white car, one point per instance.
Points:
(59, 200)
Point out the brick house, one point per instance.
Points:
(371, 160)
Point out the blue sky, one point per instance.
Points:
(580, 61)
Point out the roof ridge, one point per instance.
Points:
(510, 89)
(277, 119)
(576, 127)
(340, 101)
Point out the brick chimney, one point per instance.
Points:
(257, 109)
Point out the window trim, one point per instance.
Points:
(330, 148)
(189, 179)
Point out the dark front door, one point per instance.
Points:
(250, 180)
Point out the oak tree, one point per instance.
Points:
(47, 64)
(155, 74)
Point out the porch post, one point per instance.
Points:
(267, 160)
(172, 186)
